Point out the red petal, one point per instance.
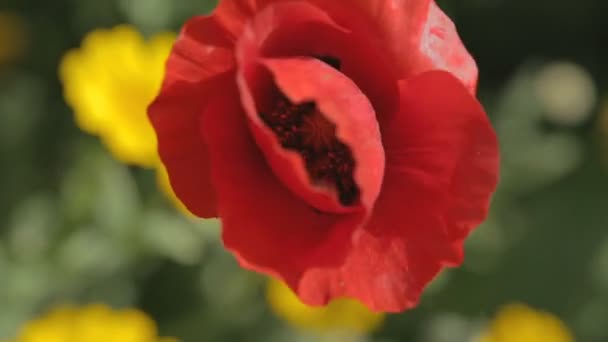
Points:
(447, 136)
(441, 48)
(417, 35)
(342, 103)
(202, 54)
(267, 227)
(204, 49)
(420, 37)
(175, 115)
(289, 29)
(442, 167)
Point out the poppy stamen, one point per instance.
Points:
(330, 60)
(329, 162)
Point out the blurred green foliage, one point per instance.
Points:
(75, 225)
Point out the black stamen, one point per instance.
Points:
(330, 60)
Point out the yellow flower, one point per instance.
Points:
(339, 315)
(520, 323)
(93, 323)
(110, 81)
(13, 38)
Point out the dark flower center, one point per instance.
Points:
(331, 61)
(329, 162)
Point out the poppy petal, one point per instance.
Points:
(417, 35)
(440, 48)
(265, 225)
(441, 169)
(202, 50)
(258, 94)
(175, 115)
(293, 28)
(451, 140)
(342, 103)
(200, 57)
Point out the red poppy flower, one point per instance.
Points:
(340, 142)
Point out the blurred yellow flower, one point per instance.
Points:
(110, 81)
(340, 315)
(13, 37)
(520, 323)
(93, 323)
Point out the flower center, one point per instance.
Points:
(331, 61)
(329, 162)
